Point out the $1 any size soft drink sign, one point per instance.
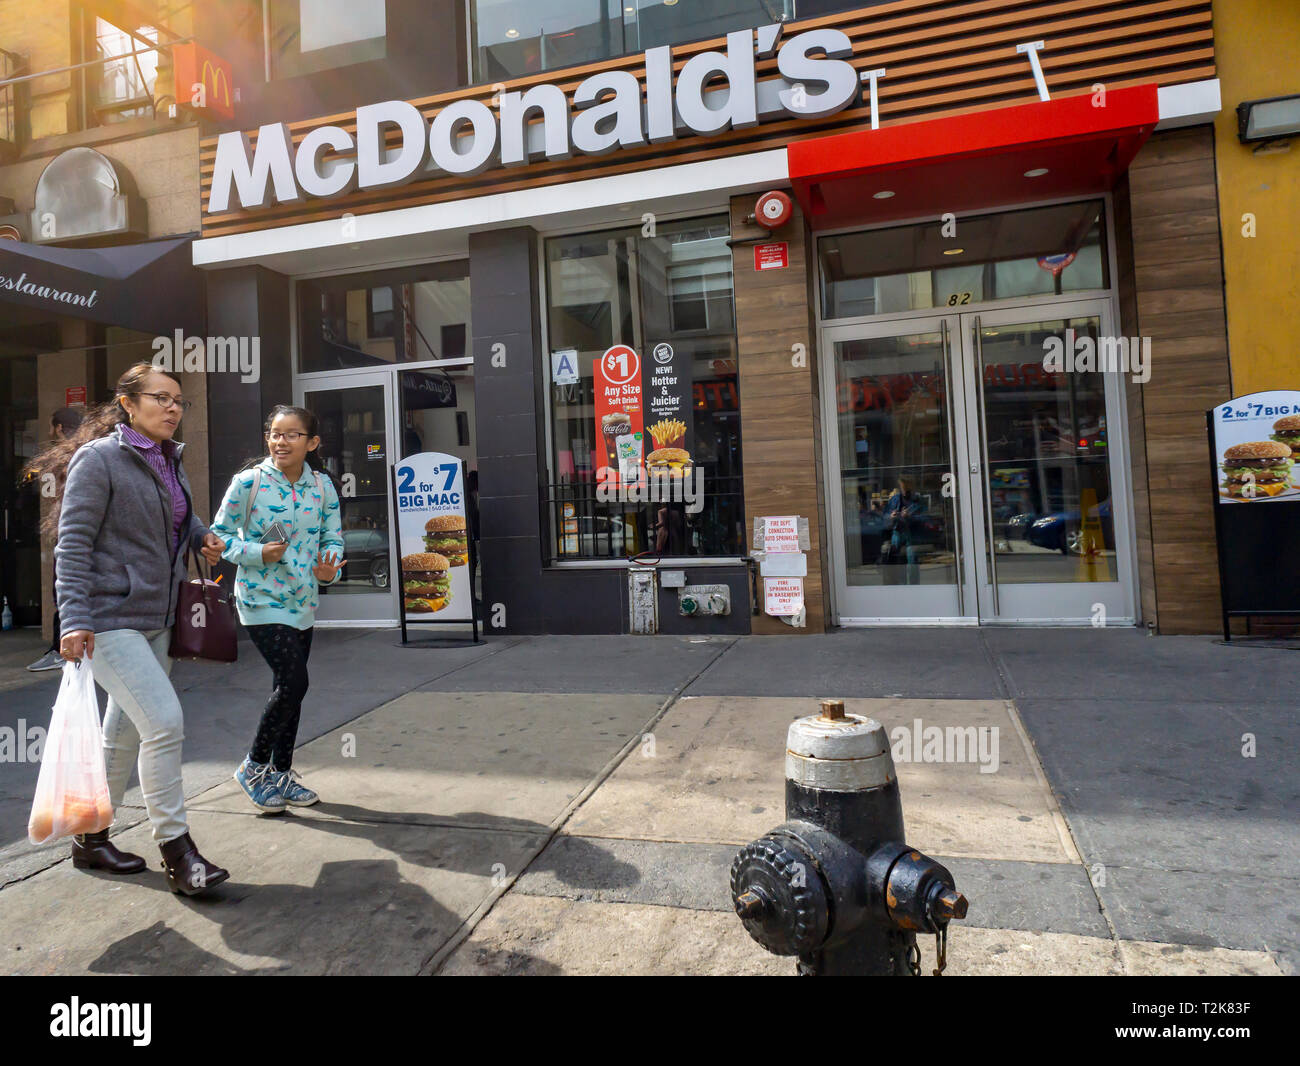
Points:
(431, 485)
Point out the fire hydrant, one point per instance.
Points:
(835, 884)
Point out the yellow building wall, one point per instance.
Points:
(1257, 46)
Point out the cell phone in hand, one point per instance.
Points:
(276, 534)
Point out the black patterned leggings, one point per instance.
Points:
(285, 650)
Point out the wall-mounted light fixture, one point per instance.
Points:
(1268, 120)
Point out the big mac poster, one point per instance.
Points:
(432, 538)
(1257, 438)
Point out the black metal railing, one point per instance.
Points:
(583, 523)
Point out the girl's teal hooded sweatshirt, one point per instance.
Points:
(282, 593)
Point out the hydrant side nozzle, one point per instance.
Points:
(950, 905)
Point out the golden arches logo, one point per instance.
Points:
(220, 79)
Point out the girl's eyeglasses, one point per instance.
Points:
(293, 436)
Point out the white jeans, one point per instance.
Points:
(143, 723)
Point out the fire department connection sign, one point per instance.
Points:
(433, 539)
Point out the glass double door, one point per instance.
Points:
(973, 474)
(368, 421)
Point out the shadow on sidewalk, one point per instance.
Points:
(360, 916)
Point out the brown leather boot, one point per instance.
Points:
(93, 852)
(188, 872)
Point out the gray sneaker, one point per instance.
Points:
(295, 794)
(51, 660)
(259, 782)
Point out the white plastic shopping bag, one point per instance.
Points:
(72, 789)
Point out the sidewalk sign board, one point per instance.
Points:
(427, 486)
(1255, 528)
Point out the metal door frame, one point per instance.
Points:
(362, 614)
(967, 450)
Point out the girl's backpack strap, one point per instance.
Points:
(252, 500)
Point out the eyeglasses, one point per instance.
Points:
(166, 400)
(293, 436)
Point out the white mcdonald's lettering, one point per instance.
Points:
(606, 112)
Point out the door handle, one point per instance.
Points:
(984, 459)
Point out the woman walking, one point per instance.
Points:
(280, 523)
(124, 519)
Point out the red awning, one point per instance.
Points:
(974, 161)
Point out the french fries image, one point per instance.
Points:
(669, 433)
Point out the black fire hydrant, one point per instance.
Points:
(835, 884)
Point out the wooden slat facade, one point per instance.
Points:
(780, 433)
(942, 58)
(1171, 290)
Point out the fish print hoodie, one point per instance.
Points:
(282, 593)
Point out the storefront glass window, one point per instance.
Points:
(411, 315)
(669, 298)
(307, 36)
(513, 38)
(1040, 251)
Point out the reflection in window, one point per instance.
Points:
(412, 315)
(307, 36)
(1012, 254)
(891, 400)
(618, 287)
(512, 38)
(121, 88)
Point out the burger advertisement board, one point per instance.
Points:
(1255, 447)
(433, 539)
(1257, 444)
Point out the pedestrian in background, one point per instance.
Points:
(63, 424)
(280, 524)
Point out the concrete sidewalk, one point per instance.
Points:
(572, 805)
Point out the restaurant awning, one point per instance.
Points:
(1075, 146)
(151, 287)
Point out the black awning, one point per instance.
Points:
(152, 287)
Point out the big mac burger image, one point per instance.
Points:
(425, 584)
(1264, 463)
(444, 534)
(1287, 431)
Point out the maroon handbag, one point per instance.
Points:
(205, 620)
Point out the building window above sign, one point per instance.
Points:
(511, 39)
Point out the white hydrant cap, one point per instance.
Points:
(838, 752)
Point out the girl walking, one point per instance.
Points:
(280, 524)
(124, 517)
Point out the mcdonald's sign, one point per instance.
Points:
(203, 80)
